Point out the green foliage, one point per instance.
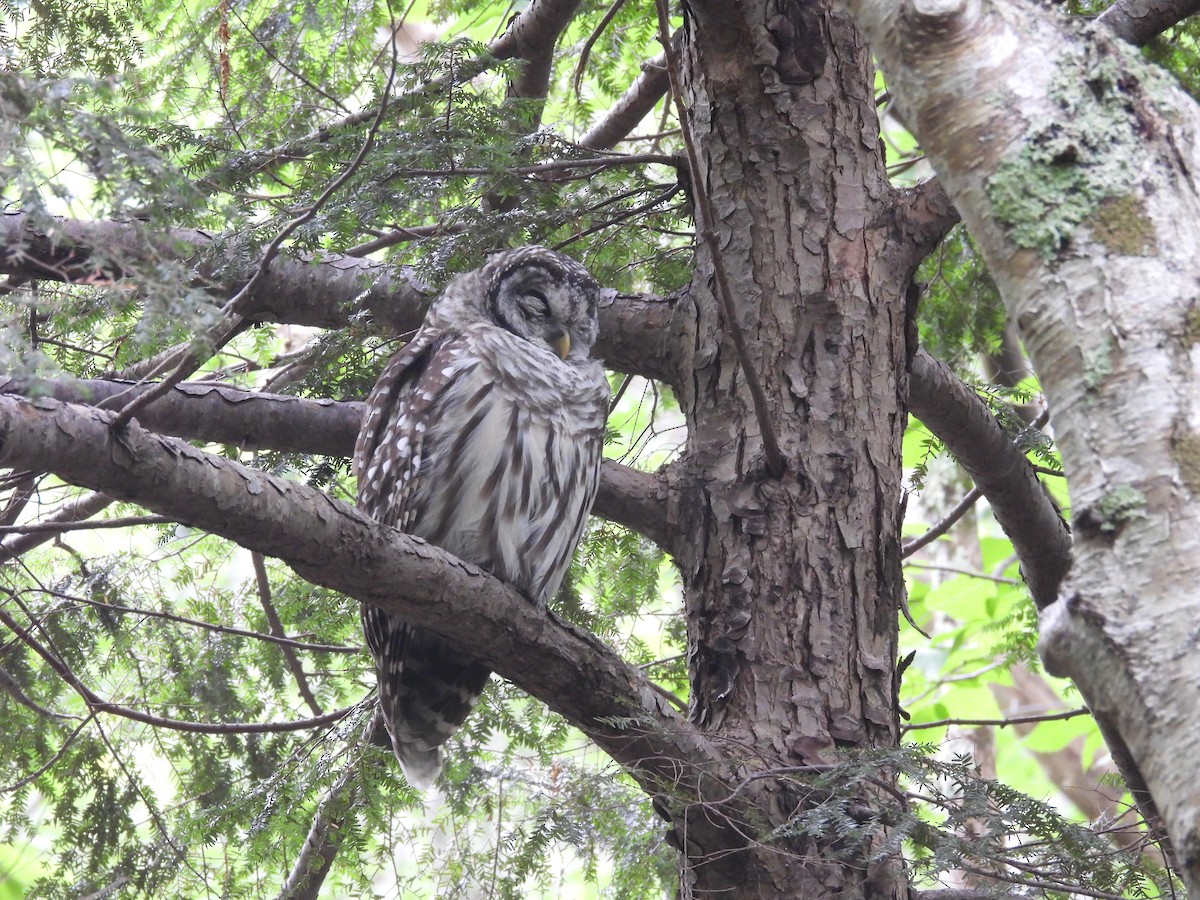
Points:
(961, 314)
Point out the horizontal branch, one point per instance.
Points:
(1139, 21)
(637, 332)
(262, 421)
(331, 544)
(218, 413)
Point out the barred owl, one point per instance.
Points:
(483, 436)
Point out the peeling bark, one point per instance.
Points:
(792, 584)
(1079, 185)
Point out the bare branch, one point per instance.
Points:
(954, 413)
(141, 612)
(323, 293)
(776, 461)
(77, 511)
(1001, 723)
(60, 527)
(638, 333)
(923, 215)
(273, 622)
(218, 413)
(960, 510)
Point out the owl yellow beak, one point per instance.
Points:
(560, 344)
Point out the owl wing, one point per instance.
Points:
(387, 453)
(493, 454)
(426, 687)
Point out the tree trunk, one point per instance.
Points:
(792, 584)
(1075, 168)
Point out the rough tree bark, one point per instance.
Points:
(1075, 167)
(792, 583)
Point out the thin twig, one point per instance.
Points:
(78, 510)
(186, 362)
(49, 764)
(776, 462)
(97, 704)
(58, 527)
(1001, 723)
(586, 52)
(554, 165)
(943, 526)
(276, 626)
(282, 640)
(957, 570)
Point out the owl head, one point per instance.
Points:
(536, 293)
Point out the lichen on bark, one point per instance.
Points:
(1073, 160)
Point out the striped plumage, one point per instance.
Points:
(483, 436)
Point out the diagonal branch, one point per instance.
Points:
(631, 107)
(332, 544)
(532, 37)
(1140, 21)
(962, 421)
(263, 584)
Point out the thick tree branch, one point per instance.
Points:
(923, 215)
(631, 107)
(642, 501)
(637, 332)
(251, 420)
(332, 544)
(532, 37)
(962, 421)
(1140, 21)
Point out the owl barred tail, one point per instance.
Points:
(420, 767)
(426, 690)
